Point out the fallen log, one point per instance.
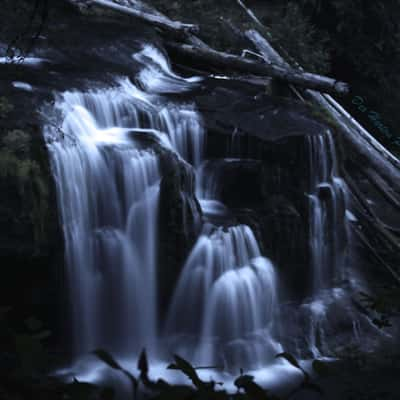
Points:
(234, 63)
(198, 50)
(269, 55)
(363, 142)
(250, 13)
(176, 29)
(266, 50)
(156, 20)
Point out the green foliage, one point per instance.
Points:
(24, 364)
(293, 32)
(292, 360)
(28, 344)
(109, 360)
(27, 175)
(248, 389)
(364, 44)
(307, 383)
(386, 304)
(185, 367)
(252, 390)
(5, 107)
(17, 141)
(19, 170)
(367, 33)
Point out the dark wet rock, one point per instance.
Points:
(266, 180)
(179, 221)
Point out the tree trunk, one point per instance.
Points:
(364, 143)
(233, 63)
(159, 21)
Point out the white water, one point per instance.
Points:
(108, 193)
(108, 197)
(327, 213)
(225, 307)
(332, 258)
(233, 290)
(23, 86)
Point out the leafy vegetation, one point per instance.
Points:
(294, 33)
(247, 388)
(5, 107)
(25, 174)
(25, 361)
(385, 304)
(362, 39)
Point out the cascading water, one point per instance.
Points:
(224, 309)
(108, 191)
(233, 290)
(108, 195)
(327, 213)
(331, 250)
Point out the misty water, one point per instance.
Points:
(229, 308)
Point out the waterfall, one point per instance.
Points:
(108, 192)
(225, 308)
(327, 212)
(329, 240)
(233, 290)
(108, 195)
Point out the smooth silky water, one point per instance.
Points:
(224, 312)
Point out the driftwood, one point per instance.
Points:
(250, 13)
(274, 67)
(269, 55)
(200, 51)
(267, 51)
(365, 144)
(235, 63)
(156, 20)
(383, 171)
(362, 141)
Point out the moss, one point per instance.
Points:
(27, 176)
(322, 115)
(5, 107)
(17, 141)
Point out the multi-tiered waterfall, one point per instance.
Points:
(224, 310)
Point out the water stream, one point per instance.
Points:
(225, 307)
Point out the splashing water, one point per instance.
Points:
(108, 193)
(224, 309)
(233, 290)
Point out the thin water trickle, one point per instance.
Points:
(327, 213)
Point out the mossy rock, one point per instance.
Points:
(27, 177)
(17, 141)
(5, 107)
